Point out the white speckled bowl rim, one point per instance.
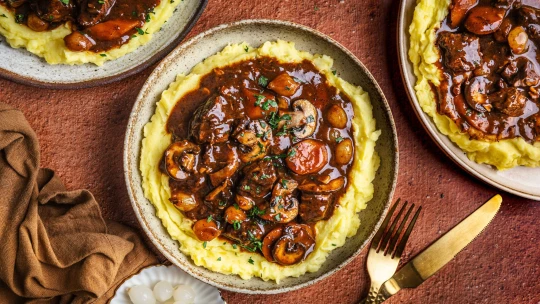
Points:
(23, 67)
(522, 181)
(255, 32)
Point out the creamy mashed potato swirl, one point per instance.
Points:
(50, 44)
(218, 255)
(423, 53)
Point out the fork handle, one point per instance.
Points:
(372, 295)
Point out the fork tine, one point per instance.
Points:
(382, 228)
(386, 236)
(399, 249)
(394, 240)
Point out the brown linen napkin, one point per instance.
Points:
(54, 245)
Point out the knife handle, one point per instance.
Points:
(372, 295)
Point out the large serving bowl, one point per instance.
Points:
(255, 32)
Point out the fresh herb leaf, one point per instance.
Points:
(140, 31)
(268, 103)
(234, 246)
(236, 206)
(209, 219)
(247, 187)
(334, 245)
(147, 18)
(204, 244)
(103, 55)
(284, 184)
(101, 1)
(66, 2)
(251, 261)
(219, 259)
(263, 81)
(237, 225)
(339, 139)
(334, 72)
(310, 118)
(3, 15)
(255, 211)
(246, 48)
(260, 98)
(222, 203)
(19, 18)
(277, 217)
(291, 153)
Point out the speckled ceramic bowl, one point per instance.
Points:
(522, 181)
(21, 66)
(256, 32)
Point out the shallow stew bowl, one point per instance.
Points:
(256, 32)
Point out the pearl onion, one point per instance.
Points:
(141, 295)
(163, 291)
(183, 294)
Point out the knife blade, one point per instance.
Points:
(438, 254)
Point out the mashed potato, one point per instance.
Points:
(423, 53)
(50, 44)
(330, 234)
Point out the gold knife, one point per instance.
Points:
(438, 254)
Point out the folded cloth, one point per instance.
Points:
(54, 245)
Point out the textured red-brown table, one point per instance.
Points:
(81, 134)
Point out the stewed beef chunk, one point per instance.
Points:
(53, 10)
(461, 51)
(212, 121)
(93, 11)
(510, 101)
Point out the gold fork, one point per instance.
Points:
(385, 251)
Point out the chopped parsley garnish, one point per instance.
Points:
(222, 203)
(236, 206)
(287, 88)
(101, 1)
(19, 18)
(3, 15)
(260, 98)
(66, 2)
(219, 259)
(298, 80)
(334, 72)
(339, 139)
(246, 48)
(263, 81)
(172, 1)
(255, 211)
(140, 31)
(277, 217)
(251, 261)
(236, 225)
(103, 55)
(292, 152)
(147, 18)
(204, 244)
(209, 219)
(284, 184)
(268, 103)
(134, 13)
(234, 246)
(334, 245)
(310, 118)
(264, 176)
(247, 188)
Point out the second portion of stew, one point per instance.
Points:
(490, 67)
(261, 152)
(98, 25)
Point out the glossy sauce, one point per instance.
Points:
(232, 82)
(495, 55)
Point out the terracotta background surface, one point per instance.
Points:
(82, 131)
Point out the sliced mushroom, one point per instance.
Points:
(36, 23)
(244, 202)
(233, 163)
(302, 120)
(284, 85)
(269, 241)
(308, 156)
(294, 246)
(333, 186)
(206, 230)
(476, 93)
(283, 206)
(183, 201)
(254, 138)
(458, 11)
(181, 159)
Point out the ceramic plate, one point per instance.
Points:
(205, 294)
(256, 32)
(522, 181)
(21, 66)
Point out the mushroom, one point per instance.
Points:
(308, 156)
(336, 116)
(206, 230)
(221, 189)
(458, 11)
(333, 186)
(284, 85)
(244, 202)
(233, 163)
(254, 138)
(517, 40)
(183, 201)
(296, 243)
(303, 120)
(283, 206)
(181, 159)
(36, 23)
(269, 241)
(232, 214)
(476, 93)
